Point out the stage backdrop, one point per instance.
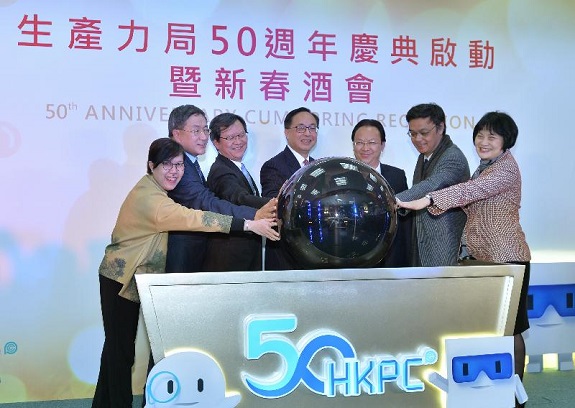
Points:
(87, 85)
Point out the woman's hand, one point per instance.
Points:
(423, 202)
(264, 227)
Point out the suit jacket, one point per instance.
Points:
(436, 239)
(243, 252)
(491, 201)
(273, 174)
(399, 254)
(187, 250)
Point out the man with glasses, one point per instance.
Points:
(230, 180)
(436, 239)
(368, 139)
(187, 125)
(300, 130)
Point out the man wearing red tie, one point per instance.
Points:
(300, 129)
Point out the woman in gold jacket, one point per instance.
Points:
(139, 244)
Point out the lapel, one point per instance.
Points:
(420, 173)
(190, 170)
(291, 161)
(233, 168)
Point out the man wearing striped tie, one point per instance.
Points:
(230, 180)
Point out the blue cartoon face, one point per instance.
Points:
(466, 369)
(186, 379)
(560, 297)
(480, 372)
(551, 312)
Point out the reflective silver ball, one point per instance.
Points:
(337, 213)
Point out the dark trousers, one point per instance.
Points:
(120, 317)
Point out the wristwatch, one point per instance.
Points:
(428, 196)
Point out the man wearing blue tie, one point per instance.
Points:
(230, 180)
(187, 125)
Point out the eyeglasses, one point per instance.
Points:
(424, 133)
(361, 143)
(302, 128)
(239, 136)
(168, 165)
(206, 131)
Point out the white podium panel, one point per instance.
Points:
(329, 338)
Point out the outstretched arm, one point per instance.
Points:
(415, 204)
(439, 381)
(520, 392)
(263, 227)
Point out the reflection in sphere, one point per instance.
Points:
(336, 213)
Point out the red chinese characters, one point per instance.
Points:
(280, 45)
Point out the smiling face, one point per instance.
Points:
(367, 145)
(488, 144)
(302, 142)
(192, 136)
(169, 173)
(189, 379)
(425, 135)
(233, 142)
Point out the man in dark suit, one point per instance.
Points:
(230, 180)
(187, 125)
(440, 164)
(368, 138)
(300, 130)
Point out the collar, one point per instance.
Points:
(298, 156)
(191, 157)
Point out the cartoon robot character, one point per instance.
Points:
(551, 312)
(189, 378)
(480, 373)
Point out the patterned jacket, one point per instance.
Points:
(139, 239)
(491, 202)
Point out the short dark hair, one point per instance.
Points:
(369, 122)
(161, 150)
(289, 117)
(500, 123)
(224, 121)
(428, 110)
(180, 115)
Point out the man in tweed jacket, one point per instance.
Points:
(440, 164)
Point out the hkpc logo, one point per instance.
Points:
(348, 375)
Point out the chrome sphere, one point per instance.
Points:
(337, 213)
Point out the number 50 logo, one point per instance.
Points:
(263, 335)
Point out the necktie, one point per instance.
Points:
(199, 170)
(249, 179)
(305, 162)
(424, 168)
